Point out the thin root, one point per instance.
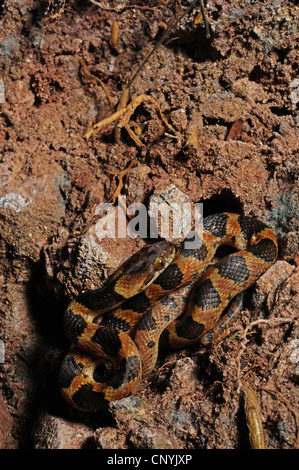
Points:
(124, 115)
(97, 79)
(120, 176)
(244, 340)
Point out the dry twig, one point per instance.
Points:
(93, 77)
(120, 176)
(50, 9)
(174, 23)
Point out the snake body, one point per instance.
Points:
(115, 330)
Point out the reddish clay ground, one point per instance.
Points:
(52, 180)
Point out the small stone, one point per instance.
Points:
(14, 201)
(6, 421)
(179, 119)
(99, 254)
(185, 371)
(107, 438)
(284, 128)
(274, 276)
(171, 212)
(130, 408)
(268, 282)
(294, 358)
(149, 438)
(294, 96)
(8, 46)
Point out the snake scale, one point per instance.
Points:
(115, 330)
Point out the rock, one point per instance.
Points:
(136, 427)
(144, 437)
(31, 208)
(108, 438)
(267, 284)
(6, 420)
(285, 129)
(137, 182)
(179, 118)
(294, 95)
(98, 255)
(171, 212)
(13, 201)
(130, 408)
(185, 371)
(52, 432)
(294, 359)
(9, 46)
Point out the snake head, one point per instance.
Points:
(143, 268)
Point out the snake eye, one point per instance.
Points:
(159, 263)
(103, 371)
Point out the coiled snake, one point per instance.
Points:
(142, 301)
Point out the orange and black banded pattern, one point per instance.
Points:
(115, 331)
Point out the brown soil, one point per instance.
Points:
(52, 180)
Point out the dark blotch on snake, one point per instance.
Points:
(199, 253)
(69, 369)
(216, 224)
(250, 226)
(128, 370)
(170, 278)
(205, 296)
(74, 325)
(265, 250)
(234, 268)
(148, 322)
(108, 339)
(101, 298)
(139, 303)
(189, 329)
(116, 323)
(88, 399)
